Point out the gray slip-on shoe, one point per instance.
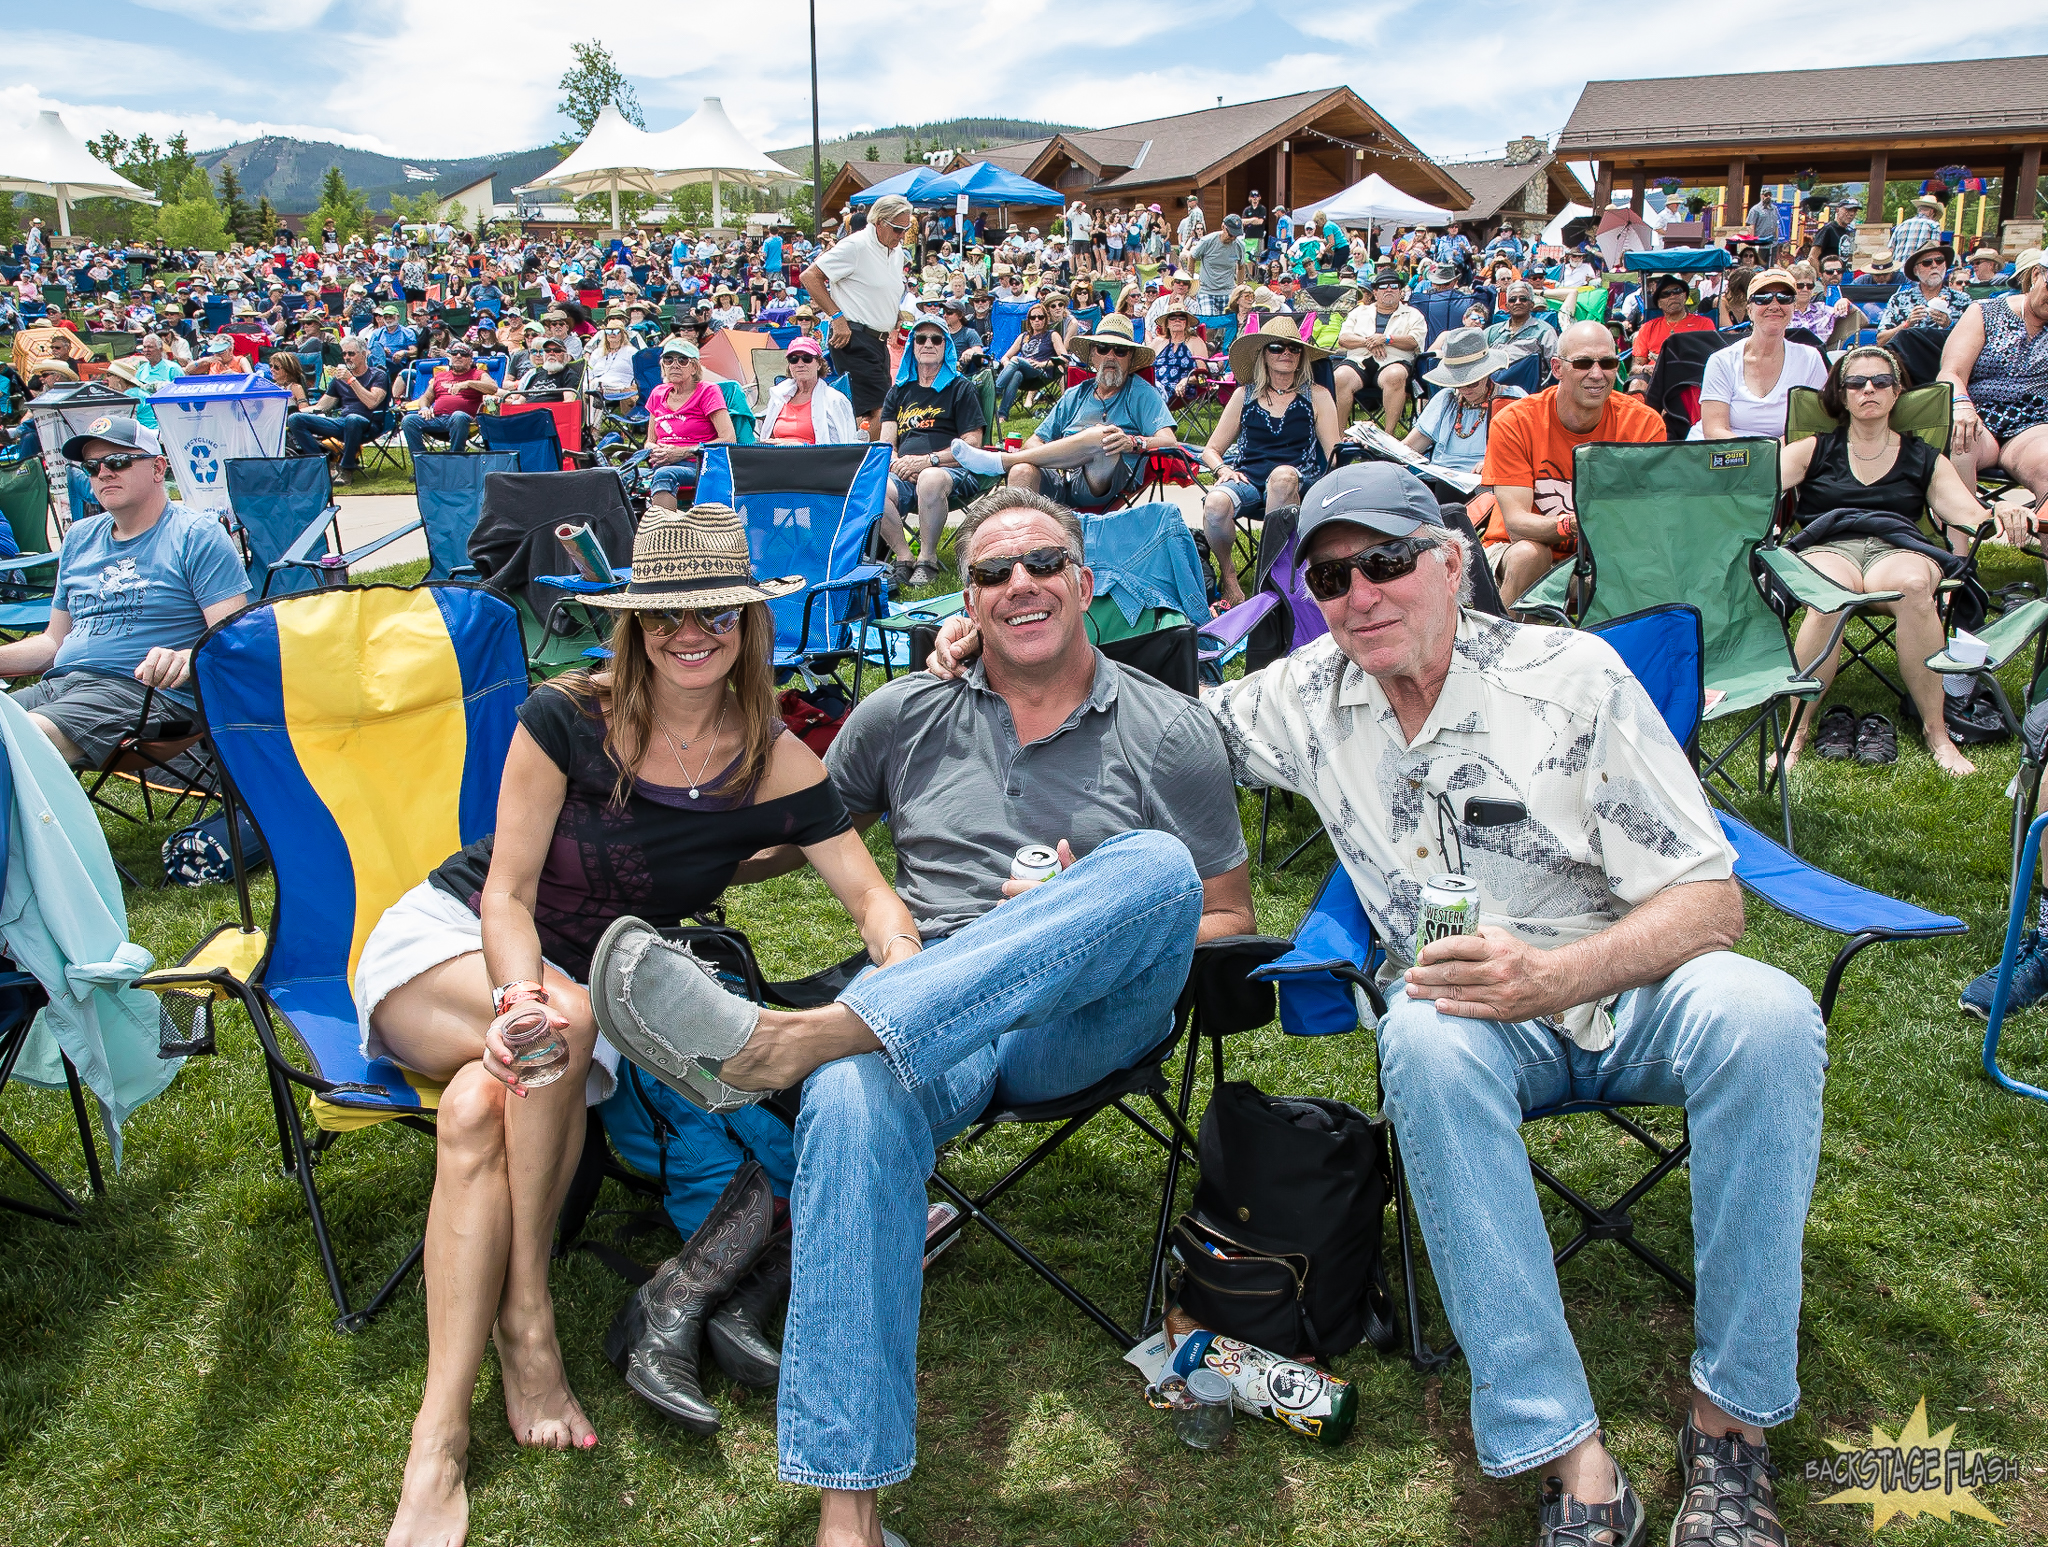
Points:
(662, 1006)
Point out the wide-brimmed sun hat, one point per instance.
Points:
(1464, 356)
(1280, 329)
(1114, 329)
(693, 558)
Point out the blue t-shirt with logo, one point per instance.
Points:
(126, 598)
(1137, 409)
(771, 253)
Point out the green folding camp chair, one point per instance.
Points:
(1682, 521)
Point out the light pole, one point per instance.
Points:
(817, 152)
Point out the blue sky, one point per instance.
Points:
(435, 80)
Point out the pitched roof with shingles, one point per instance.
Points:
(1493, 184)
(1952, 97)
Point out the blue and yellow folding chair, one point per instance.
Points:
(363, 730)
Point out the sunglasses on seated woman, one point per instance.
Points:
(663, 620)
(1328, 579)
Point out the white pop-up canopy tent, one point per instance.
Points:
(1375, 201)
(706, 148)
(48, 159)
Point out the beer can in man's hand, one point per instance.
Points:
(1450, 906)
(1035, 862)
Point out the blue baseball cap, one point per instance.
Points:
(1380, 496)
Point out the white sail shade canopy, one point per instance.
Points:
(47, 158)
(617, 158)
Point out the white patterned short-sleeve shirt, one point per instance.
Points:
(1547, 717)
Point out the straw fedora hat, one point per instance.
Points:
(2022, 276)
(1114, 329)
(1283, 329)
(693, 558)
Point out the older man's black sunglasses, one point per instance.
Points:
(1328, 579)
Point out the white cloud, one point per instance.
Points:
(247, 15)
(206, 131)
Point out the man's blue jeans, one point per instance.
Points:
(308, 430)
(1741, 1047)
(1036, 999)
(417, 427)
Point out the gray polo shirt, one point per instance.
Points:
(942, 759)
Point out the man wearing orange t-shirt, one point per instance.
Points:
(1529, 452)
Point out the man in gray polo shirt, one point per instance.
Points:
(1037, 990)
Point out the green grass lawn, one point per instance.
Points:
(173, 1376)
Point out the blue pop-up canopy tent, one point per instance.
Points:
(987, 184)
(910, 184)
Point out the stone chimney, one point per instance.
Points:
(1528, 148)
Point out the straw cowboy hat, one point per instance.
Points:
(1941, 250)
(1464, 356)
(693, 558)
(1276, 330)
(2022, 276)
(1114, 329)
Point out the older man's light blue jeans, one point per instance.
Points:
(1037, 999)
(1741, 1047)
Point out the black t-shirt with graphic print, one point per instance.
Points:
(928, 419)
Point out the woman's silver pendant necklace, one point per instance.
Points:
(677, 752)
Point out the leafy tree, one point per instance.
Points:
(415, 209)
(109, 148)
(594, 82)
(235, 213)
(192, 218)
(598, 206)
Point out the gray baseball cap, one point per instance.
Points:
(1377, 495)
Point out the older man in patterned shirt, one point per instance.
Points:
(1602, 971)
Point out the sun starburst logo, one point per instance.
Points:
(1910, 1474)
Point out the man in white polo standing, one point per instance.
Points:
(858, 286)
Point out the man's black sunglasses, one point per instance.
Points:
(1328, 579)
(1121, 351)
(113, 462)
(1039, 564)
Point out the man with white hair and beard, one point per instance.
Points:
(1091, 448)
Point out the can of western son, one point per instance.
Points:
(1450, 906)
(1035, 862)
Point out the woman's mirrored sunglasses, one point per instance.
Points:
(664, 620)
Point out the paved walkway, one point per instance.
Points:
(364, 516)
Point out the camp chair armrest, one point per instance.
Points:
(27, 561)
(2003, 640)
(304, 543)
(344, 560)
(1227, 628)
(576, 585)
(1812, 588)
(859, 576)
(17, 980)
(464, 572)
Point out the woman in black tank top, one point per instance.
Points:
(1862, 490)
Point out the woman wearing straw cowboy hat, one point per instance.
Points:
(1451, 431)
(636, 788)
(1276, 436)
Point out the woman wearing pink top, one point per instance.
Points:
(684, 413)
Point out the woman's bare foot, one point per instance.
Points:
(1944, 753)
(433, 1506)
(539, 1406)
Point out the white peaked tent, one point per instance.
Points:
(1375, 201)
(614, 158)
(706, 148)
(48, 159)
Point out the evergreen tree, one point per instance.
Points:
(264, 220)
(873, 154)
(348, 208)
(234, 209)
(109, 148)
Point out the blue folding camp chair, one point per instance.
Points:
(1328, 986)
(809, 510)
(363, 730)
(646, 377)
(450, 493)
(290, 526)
(1006, 321)
(219, 313)
(531, 437)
